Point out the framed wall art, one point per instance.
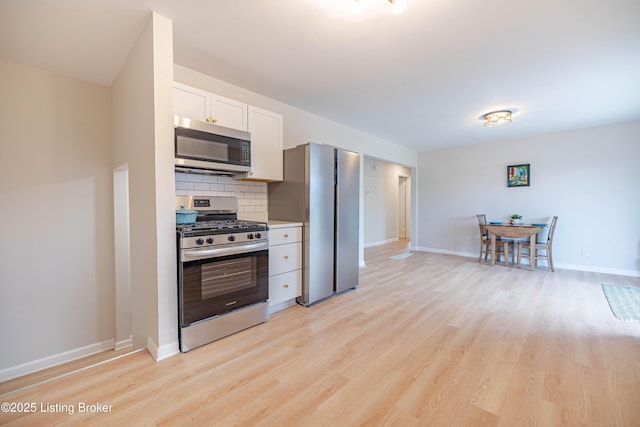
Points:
(518, 175)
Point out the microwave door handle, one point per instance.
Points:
(198, 254)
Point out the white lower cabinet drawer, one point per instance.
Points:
(285, 258)
(286, 286)
(280, 236)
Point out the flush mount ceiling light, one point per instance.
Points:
(497, 118)
(397, 6)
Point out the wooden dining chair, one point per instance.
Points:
(533, 253)
(485, 241)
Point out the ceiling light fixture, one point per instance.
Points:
(497, 118)
(397, 6)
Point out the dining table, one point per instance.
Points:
(513, 232)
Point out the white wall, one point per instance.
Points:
(165, 187)
(143, 141)
(301, 126)
(381, 198)
(56, 249)
(589, 178)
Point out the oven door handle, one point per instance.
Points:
(197, 254)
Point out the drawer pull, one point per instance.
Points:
(286, 236)
(286, 257)
(286, 286)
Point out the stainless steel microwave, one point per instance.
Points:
(208, 148)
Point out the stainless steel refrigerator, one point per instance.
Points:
(321, 189)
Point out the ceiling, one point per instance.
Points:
(420, 79)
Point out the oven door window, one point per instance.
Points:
(216, 286)
(228, 277)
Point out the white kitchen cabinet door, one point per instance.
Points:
(266, 145)
(285, 266)
(284, 258)
(284, 287)
(190, 102)
(204, 106)
(281, 236)
(229, 113)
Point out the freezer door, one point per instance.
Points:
(347, 220)
(318, 245)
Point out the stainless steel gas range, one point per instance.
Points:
(223, 271)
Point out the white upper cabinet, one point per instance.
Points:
(266, 127)
(204, 106)
(190, 102)
(229, 113)
(266, 145)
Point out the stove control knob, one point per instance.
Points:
(232, 238)
(200, 241)
(250, 236)
(210, 240)
(258, 236)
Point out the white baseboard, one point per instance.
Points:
(525, 261)
(55, 360)
(592, 269)
(444, 251)
(381, 242)
(124, 343)
(163, 352)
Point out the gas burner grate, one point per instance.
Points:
(229, 226)
(220, 225)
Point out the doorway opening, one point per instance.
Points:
(404, 207)
(124, 335)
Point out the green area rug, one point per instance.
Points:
(624, 301)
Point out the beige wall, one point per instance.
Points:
(143, 129)
(165, 187)
(381, 200)
(587, 177)
(134, 148)
(56, 249)
(62, 140)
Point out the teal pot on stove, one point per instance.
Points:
(185, 216)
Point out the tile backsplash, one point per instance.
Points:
(252, 196)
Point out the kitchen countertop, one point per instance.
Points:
(283, 224)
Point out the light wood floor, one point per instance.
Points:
(429, 340)
(60, 370)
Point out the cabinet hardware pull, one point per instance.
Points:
(286, 286)
(286, 236)
(214, 120)
(286, 257)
